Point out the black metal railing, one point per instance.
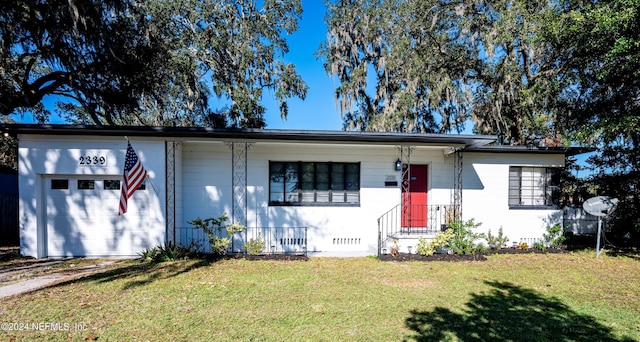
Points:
(275, 240)
(403, 220)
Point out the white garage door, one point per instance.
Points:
(82, 217)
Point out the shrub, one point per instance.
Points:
(441, 240)
(148, 254)
(213, 228)
(464, 240)
(496, 241)
(254, 246)
(539, 245)
(459, 237)
(168, 252)
(554, 238)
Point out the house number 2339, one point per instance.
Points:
(89, 160)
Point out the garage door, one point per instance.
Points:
(82, 218)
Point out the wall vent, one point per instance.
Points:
(347, 241)
(293, 241)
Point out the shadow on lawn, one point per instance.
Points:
(144, 273)
(140, 274)
(630, 252)
(507, 313)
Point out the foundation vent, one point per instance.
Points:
(347, 241)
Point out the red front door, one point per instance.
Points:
(414, 196)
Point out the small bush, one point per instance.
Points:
(554, 238)
(255, 246)
(459, 238)
(441, 240)
(148, 254)
(168, 252)
(219, 242)
(498, 241)
(539, 245)
(464, 240)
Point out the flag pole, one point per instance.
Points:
(152, 187)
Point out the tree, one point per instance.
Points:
(8, 148)
(237, 48)
(518, 79)
(600, 41)
(156, 62)
(100, 55)
(411, 48)
(603, 61)
(439, 63)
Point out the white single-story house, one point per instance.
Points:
(330, 192)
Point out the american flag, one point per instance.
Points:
(134, 175)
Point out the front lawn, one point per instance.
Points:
(571, 296)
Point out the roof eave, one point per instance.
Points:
(567, 151)
(254, 134)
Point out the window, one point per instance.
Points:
(86, 184)
(111, 184)
(143, 185)
(533, 186)
(59, 184)
(314, 183)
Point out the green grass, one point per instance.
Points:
(572, 297)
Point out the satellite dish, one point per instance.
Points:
(600, 205)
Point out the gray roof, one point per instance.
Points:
(252, 134)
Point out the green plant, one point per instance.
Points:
(496, 241)
(254, 246)
(441, 240)
(423, 247)
(464, 238)
(219, 233)
(539, 245)
(148, 254)
(167, 252)
(554, 238)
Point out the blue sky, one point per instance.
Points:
(318, 110)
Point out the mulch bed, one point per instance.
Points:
(401, 257)
(465, 257)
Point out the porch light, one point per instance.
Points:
(398, 165)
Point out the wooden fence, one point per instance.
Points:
(9, 235)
